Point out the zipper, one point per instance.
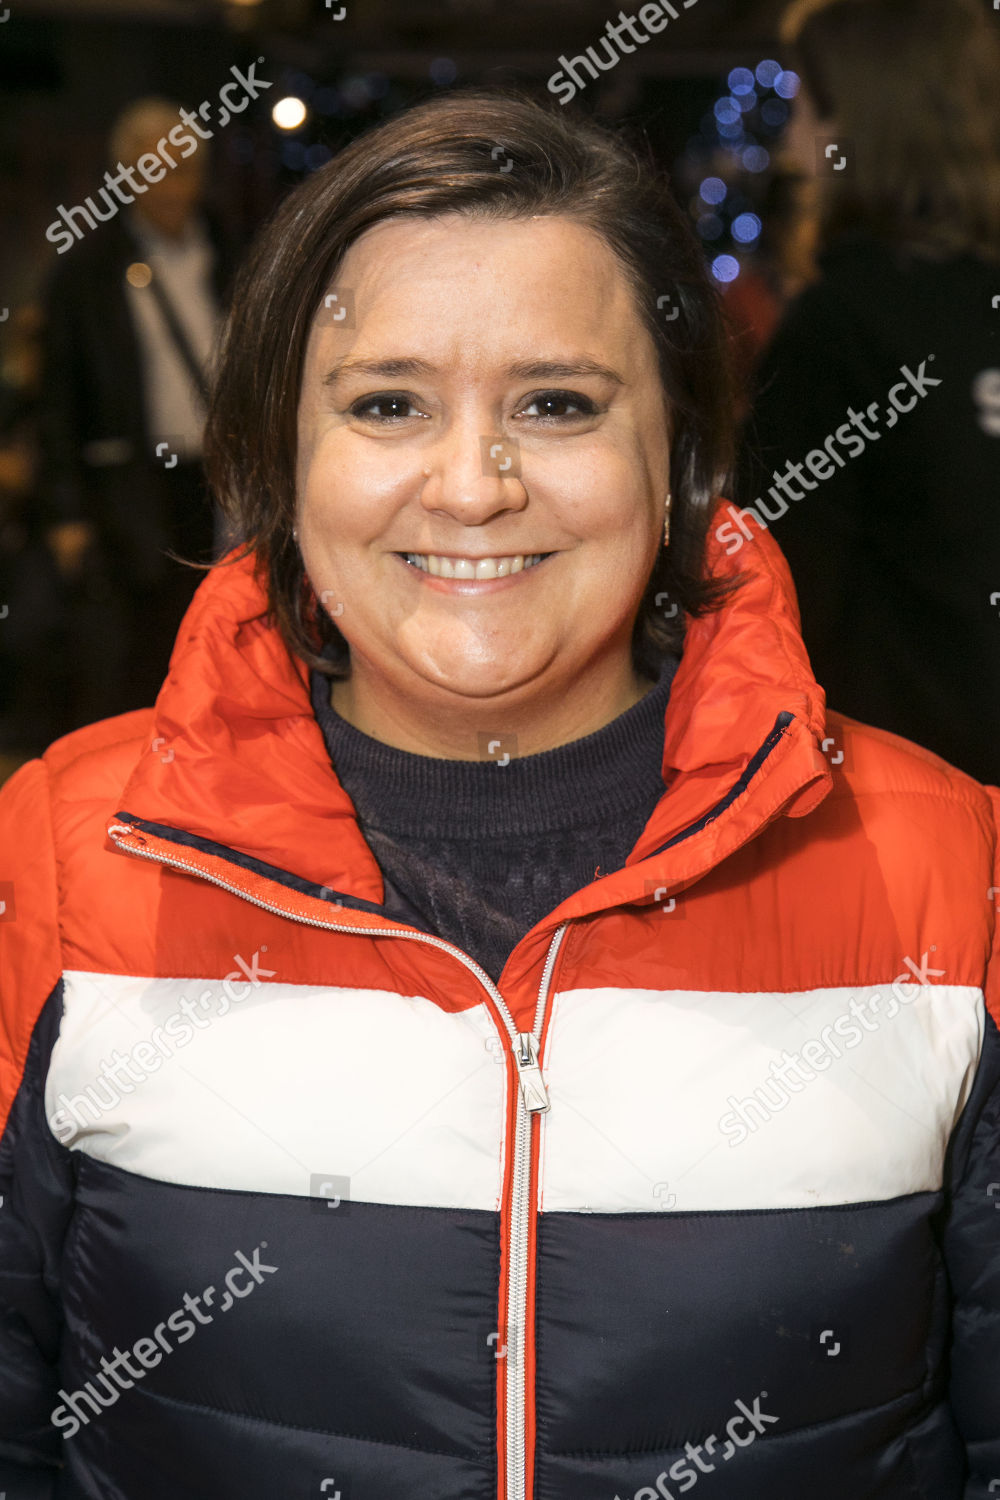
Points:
(532, 1099)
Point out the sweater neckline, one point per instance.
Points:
(586, 781)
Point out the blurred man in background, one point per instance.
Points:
(885, 374)
(133, 313)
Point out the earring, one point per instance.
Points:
(666, 523)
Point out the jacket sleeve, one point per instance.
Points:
(36, 1172)
(971, 1242)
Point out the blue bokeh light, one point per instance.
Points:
(767, 72)
(756, 159)
(774, 112)
(746, 228)
(317, 156)
(725, 268)
(726, 110)
(787, 84)
(713, 190)
(354, 90)
(741, 81)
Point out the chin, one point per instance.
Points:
(479, 680)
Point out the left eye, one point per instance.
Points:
(551, 401)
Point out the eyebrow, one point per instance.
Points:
(529, 369)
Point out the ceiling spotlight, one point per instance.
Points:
(289, 113)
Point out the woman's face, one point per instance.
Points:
(461, 335)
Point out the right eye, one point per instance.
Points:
(366, 409)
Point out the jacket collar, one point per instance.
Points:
(237, 762)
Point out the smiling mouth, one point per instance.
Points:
(473, 567)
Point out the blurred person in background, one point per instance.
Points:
(33, 682)
(133, 314)
(782, 265)
(894, 542)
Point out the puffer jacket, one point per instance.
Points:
(705, 1192)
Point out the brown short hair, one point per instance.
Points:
(436, 158)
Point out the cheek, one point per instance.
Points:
(324, 491)
(343, 481)
(342, 524)
(320, 524)
(617, 487)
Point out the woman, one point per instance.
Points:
(414, 1026)
(893, 542)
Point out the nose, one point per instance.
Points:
(472, 477)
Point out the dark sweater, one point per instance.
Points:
(477, 853)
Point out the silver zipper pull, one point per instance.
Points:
(533, 1090)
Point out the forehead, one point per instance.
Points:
(476, 283)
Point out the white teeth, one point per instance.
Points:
(467, 567)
